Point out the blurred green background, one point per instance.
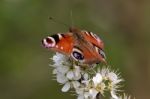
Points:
(124, 26)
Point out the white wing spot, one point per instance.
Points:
(61, 47)
(95, 36)
(60, 36)
(56, 46)
(87, 33)
(47, 44)
(92, 34)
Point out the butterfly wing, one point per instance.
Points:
(81, 46)
(88, 46)
(93, 38)
(87, 51)
(60, 42)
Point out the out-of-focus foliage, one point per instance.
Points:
(123, 26)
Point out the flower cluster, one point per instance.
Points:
(86, 83)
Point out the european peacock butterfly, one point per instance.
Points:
(80, 45)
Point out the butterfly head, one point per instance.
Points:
(74, 30)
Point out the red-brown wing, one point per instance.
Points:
(93, 38)
(90, 56)
(62, 43)
(82, 41)
(88, 45)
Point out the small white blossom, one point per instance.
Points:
(81, 96)
(97, 79)
(66, 87)
(82, 93)
(112, 76)
(93, 92)
(59, 59)
(70, 84)
(85, 85)
(75, 84)
(114, 80)
(61, 78)
(62, 69)
(74, 74)
(85, 76)
(70, 75)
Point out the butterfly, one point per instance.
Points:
(80, 45)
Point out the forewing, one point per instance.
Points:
(93, 38)
(60, 42)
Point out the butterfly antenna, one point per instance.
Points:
(57, 21)
(71, 18)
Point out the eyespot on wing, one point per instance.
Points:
(49, 42)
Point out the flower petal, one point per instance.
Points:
(80, 97)
(97, 79)
(86, 95)
(112, 76)
(59, 59)
(70, 75)
(63, 69)
(85, 76)
(76, 84)
(66, 87)
(77, 77)
(79, 90)
(61, 78)
(93, 92)
(77, 70)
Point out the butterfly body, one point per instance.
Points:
(85, 47)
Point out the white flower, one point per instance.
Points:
(84, 96)
(97, 86)
(81, 96)
(61, 78)
(59, 60)
(93, 92)
(86, 86)
(85, 76)
(66, 73)
(70, 84)
(70, 75)
(62, 69)
(66, 87)
(114, 77)
(69, 79)
(77, 72)
(103, 71)
(97, 79)
(74, 74)
(82, 93)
